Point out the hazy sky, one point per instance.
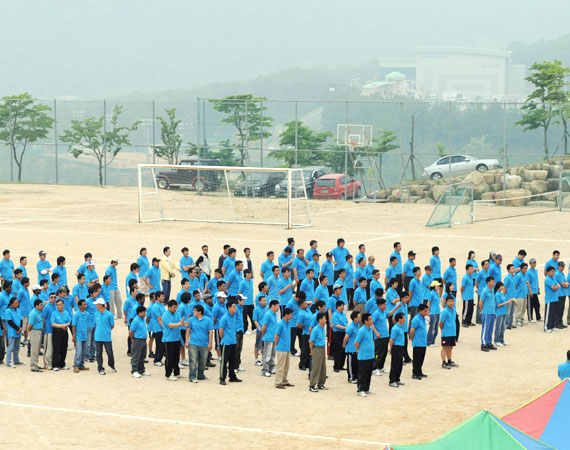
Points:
(112, 47)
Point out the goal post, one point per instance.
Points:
(223, 194)
(564, 191)
(454, 207)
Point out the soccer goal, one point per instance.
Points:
(564, 191)
(454, 207)
(223, 194)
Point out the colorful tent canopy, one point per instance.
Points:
(547, 417)
(482, 431)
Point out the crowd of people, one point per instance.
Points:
(335, 306)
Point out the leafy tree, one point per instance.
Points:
(171, 140)
(441, 152)
(21, 123)
(309, 146)
(225, 153)
(87, 137)
(245, 113)
(543, 104)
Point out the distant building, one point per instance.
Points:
(395, 84)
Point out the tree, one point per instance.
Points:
(171, 140)
(441, 152)
(309, 146)
(383, 144)
(543, 104)
(225, 153)
(21, 123)
(245, 113)
(88, 137)
(564, 119)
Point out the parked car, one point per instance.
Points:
(458, 164)
(337, 186)
(310, 175)
(203, 180)
(258, 184)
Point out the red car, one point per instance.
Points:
(333, 187)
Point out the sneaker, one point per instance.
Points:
(76, 370)
(223, 382)
(505, 343)
(416, 377)
(352, 381)
(62, 368)
(102, 372)
(273, 371)
(484, 348)
(248, 332)
(454, 364)
(145, 374)
(322, 387)
(432, 345)
(548, 331)
(20, 363)
(444, 365)
(394, 384)
(370, 392)
(185, 362)
(498, 344)
(400, 383)
(361, 393)
(193, 380)
(266, 374)
(158, 364)
(11, 366)
(35, 369)
(382, 370)
(377, 372)
(113, 369)
(492, 347)
(533, 321)
(55, 369)
(313, 389)
(240, 369)
(181, 366)
(172, 378)
(136, 375)
(258, 362)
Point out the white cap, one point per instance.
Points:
(43, 272)
(36, 287)
(99, 301)
(222, 294)
(115, 260)
(89, 263)
(243, 297)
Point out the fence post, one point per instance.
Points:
(11, 140)
(261, 131)
(346, 157)
(296, 132)
(55, 139)
(153, 132)
(198, 124)
(105, 142)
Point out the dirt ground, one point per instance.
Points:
(63, 409)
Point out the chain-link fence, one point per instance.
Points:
(391, 143)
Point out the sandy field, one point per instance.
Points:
(64, 410)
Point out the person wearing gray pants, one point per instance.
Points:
(138, 332)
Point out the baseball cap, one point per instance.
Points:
(36, 287)
(499, 257)
(532, 260)
(337, 286)
(42, 253)
(99, 301)
(155, 260)
(207, 296)
(243, 297)
(115, 260)
(411, 253)
(316, 254)
(89, 263)
(329, 254)
(492, 253)
(435, 283)
(222, 294)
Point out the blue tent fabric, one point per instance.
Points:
(526, 441)
(556, 432)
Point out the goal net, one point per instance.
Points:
(454, 207)
(208, 193)
(564, 191)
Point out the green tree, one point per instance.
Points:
(21, 123)
(542, 106)
(384, 143)
(87, 137)
(245, 113)
(309, 146)
(441, 152)
(225, 153)
(171, 140)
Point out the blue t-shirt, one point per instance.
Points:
(79, 321)
(7, 269)
(351, 332)
(380, 323)
(283, 330)
(318, 336)
(390, 273)
(371, 305)
(294, 306)
(234, 280)
(564, 370)
(448, 317)
(316, 266)
(104, 323)
(522, 287)
(339, 257)
(46, 314)
(139, 328)
(327, 269)
(40, 266)
(228, 323)
(308, 287)
(16, 316)
(200, 331)
(230, 266)
(420, 335)
(153, 276)
(532, 278)
(488, 299)
(399, 265)
(500, 310)
(550, 295)
(416, 287)
(450, 276)
(304, 319)
(360, 295)
(218, 312)
(270, 321)
(434, 308)
(560, 278)
(60, 317)
(267, 269)
(186, 261)
(62, 272)
(435, 264)
(495, 271)
(170, 334)
(322, 293)
(283, 259)
(246, 288)
(301, 266)
(259, 313)
(272, 284)
(426, 281)
(510, 284)
(369, 269)
(36, 320)
(144, 265)
(288, 294)
(112, 272)
(468, 287)
(409, 267)
(24, 299)
(339, 318)
(131, 276)
(364, 337)
(90, 275)
(397, 335)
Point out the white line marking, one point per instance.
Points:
(493, 238)
(193, 424)
(390, 236)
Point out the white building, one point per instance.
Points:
(468, 73)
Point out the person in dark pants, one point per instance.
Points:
(304, 324)
(154, 319)
(171, 323)
(138, 332)
(418, 335)
(350, 348)
(397, 350)
(339, 324)
(364, 344)
(60, 322)
(381, 336)
(228, 342)
(104, 324)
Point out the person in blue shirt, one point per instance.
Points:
(308, 286)
(115, 303)
(360, 271)
(299, 266)
(23, 264)
(471, 260)
(511, 285)
(448, 329)
(501, 304)
(551, 286)
(427, 279)
(350, 347)
(104, 324)
(396, 349)
(380, 319)
(391, 272)
(17, 282)
(143, 264)
(246, 290)
(258, 314)
(199, 338)
(138, 333)
(49, 308)
(186, 262)
(285, 289)
(564, 368)
(285, 259)
(35, 331)
(408, 269)
(552, 262)
(315, 266)
(370, 306)
(6, 267)
(560, 278)
(171, 322)
(152, 276)
(154, 318)
(239, 330)
(481, 284)
(229, 263)
(416, 290)
(418, 335)
(468, 296)
(313, 248)
(327, 269)
(272, 283)
(60, 322)
(317, 345)
(268, 338)
(495, 268)
(61, 270)
(43, 266)
(488, 315)
(291, 244)
(435, 264)
(399, 268)
(339, 253)
(450, 274)
(303, 323)
(519, 260)
(523, 292)
(322, 291)
(282, 346)
(364, 349)
(339, 324)
(234, 279)
(227, 332)
(91, 276)
(79, 324)
(14, 332)
(434, 295)
(534, 304)
(360, 297)
(368, 270)
(55, 284)
(212, 285)
(266, 269)
(361, 253)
